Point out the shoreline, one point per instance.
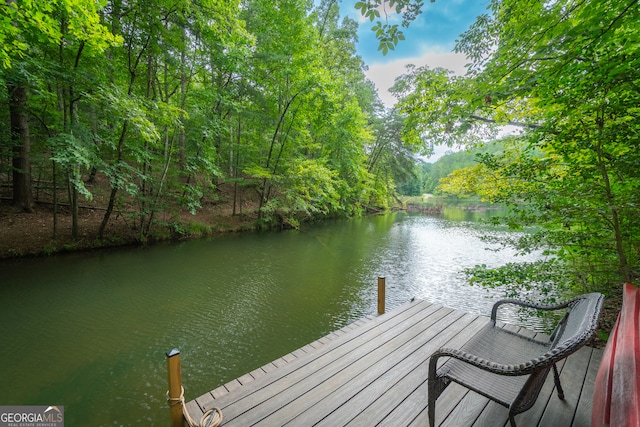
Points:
(30, 235)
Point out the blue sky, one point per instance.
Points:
(429, 40)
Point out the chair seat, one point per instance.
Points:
(501, 347)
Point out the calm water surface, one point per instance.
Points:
(89, 331)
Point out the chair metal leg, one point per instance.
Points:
(432, 414)
(434, 388)
(431, 402)
(556, 379)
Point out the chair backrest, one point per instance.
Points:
(580, 322)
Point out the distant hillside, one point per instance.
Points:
(427, 175)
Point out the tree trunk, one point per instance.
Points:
(114, 187)
(74, 211)
(235, 174)
(73, 117)
(55, 200)
(625, 271)
(22, 196)
(265, 190)
(183, 98)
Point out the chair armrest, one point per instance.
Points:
(525, 368)
(494, 310)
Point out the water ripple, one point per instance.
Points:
(94, 327)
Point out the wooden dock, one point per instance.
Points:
(374, 372)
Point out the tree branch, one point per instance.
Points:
(512, 123)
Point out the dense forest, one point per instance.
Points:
(434, 177)
(164, 102)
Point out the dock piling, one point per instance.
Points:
(175, 388)
(381, 295)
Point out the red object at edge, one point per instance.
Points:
(616, 393)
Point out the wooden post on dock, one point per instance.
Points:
(381, 296)
(175, 388)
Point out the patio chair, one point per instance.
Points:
(511, 368)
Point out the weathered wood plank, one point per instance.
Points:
(369, 380)
(193, 408)
(413, 407)
(561, 412)
(583, 411)
(466, 411)
(285, 376)
(245, 379)
(379, 399)
(337, 369)
(374, 372)
(400, 403)
(447, 402)
(548, 394)
(493, 415)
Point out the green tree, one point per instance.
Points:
(567, 73)
(389, 34)
(27, 30)
(310, 96)
(161, 153)
(391, 160)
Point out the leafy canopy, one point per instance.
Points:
(566, 73)
(26, 23)
(389, 34)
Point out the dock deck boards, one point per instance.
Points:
(374, 372)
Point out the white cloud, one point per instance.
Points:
(383, 75)
(440, 151)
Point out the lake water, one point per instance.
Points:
(89, 331)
